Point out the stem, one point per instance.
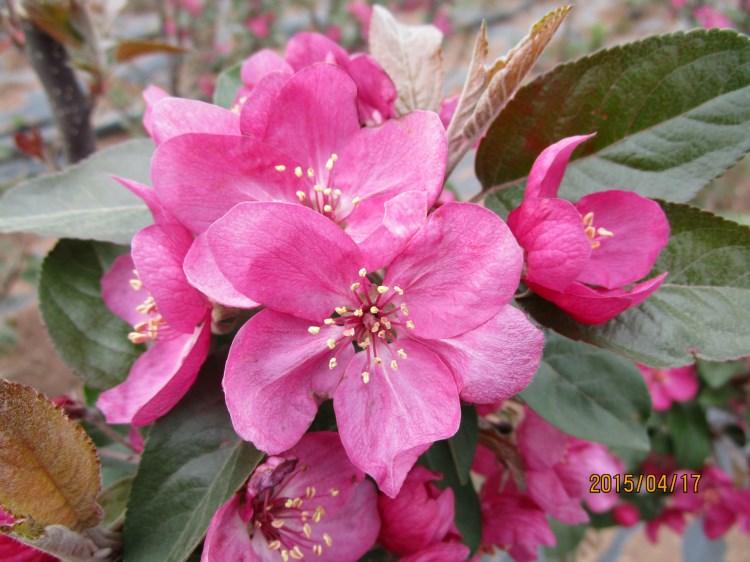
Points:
(70, 105)
(95, 418)
(121, 457)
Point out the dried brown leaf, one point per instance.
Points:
(127, 50)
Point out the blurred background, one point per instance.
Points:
(117, 48)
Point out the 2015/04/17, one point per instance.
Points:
(605, 483)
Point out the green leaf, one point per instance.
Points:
(717, 375)
(590, 394)
(463, 444)
(114, 500)
(83, 201)
(671, 113)
(699, 311)
(92, 340)
(568, 537)
(191, 465)
(227, 86)
(691, 436)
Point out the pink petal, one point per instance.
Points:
(660, 400)
(440, 552)
(682, 384)
(458, 271)
(547, 490)
(515, 520)
(158, 212)
(496, 360)
(640, 231)
(157, 380)
(172, 117)
(274, 371)
(287, 257)
(386, 228)
(717, 521)
(256, 111)
(549, 167)
(447, 108)
(200, 177)
(377, 93)
(388, 422)
(203, 274)
(596, 306)
(305, 49)
(158, 252)
(551, 233)
(227, 539)
(314, 116)
(117, 293)
(14, 551)
(541, 444)
(260, 64)
(151, 96)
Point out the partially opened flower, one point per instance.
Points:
(395, 352)
(376, 93)
(303, 144)
(149, 290)
(670, 385)
(583, 256)
(309, 502)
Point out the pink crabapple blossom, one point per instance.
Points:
(436, 329)
(670, 385)
(13, 551)
(308, 502)
(581, 256)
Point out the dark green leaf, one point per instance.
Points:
(92, 340)
(700, 310)
(568, 537)
(502, 202)
(114, 500)
(671, 113)
(191, 465)
(227, 86)
(590, 394)
(463, 444)
(691, 436)
(718, 374)
(83, 201)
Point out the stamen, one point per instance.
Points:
(289, 503)
(298, 172)
(394, 365)
(373, 310)
(334, 492)
(382, 289)
(318, 188)
(604, 232)
(280, 168)
(401, 354)
(329, 164)
(296, 553)
(301, 196)
(318, 549)
(137, 338)
(332, 363)
(334, 156)
(337, 193)
(297, 502)
(327, 208)
(365, 377)
(274, 545)
(307, 530)
(590, 231)
(404, 309)
(399, 290)
(327, 538)
(327, 191)
(381, 334)
(386, 323)
(285, 556)
(329, 321)
(314, 330)
(341, 310)
(588, 219)
(410, 324)
(277, 523)
(362, 272)
(378, 361)
(310, 491)
(375, 327)
(136, 284)
(358, 312)
(595, 244)
(319, 512)
(331, 343)
(355, 286)
(356, 201)
(349, 332)
(310, 173)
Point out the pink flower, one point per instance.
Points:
(440, 552)
(443, 21)
(510, 518)
(362, 12)
(149, 290)
(720, 503)
(309, 502)
(376, 93)
(709, 17)
(260, 26)
(14, 551)
(670, 385)
(436, 328)
(559, 467)
(304, 144)
(671, 517)
(626, 514)
(582, 256)
(419, 516)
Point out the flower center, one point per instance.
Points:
(372, 320)
(289, 524)
(596, 235)
(153, 323)
(321, 195)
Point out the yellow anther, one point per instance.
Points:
(319, 512)
(355, 286)
(327, 208)
(349, 332)
(301, 196)
(136, 284)
(386, 323)
(280, 168)
(381, 334)
(331, 343)
(399, 290)
(394, 365)
(337, 193)
(590, 231)
(318, 549)
(147, 306)
(375, 327)
(314, 330)
(595, 244)
(332, 363)
(378, 360)
(334, 156)
(274, 545)
(329, 321)
(373, 310)
(358, 312)
(366, 343)
(588, 219)
(362, 272)
(356, 201)
(137, 338)
(288, 503)
(327, 191)
(340, 310)
(365, 377)
(310, 173)
(285, 556)
(401, 354)
(141, 326)
(296, 553)
(307, 530)
(404, 309)
(329, 164)
(298, 172)
(318, 188)
(334, 492)
(604, 232)
(277, 523)
(327, 538)
(382, 289)
(410, 324)
(297, 502)
(310, 491)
